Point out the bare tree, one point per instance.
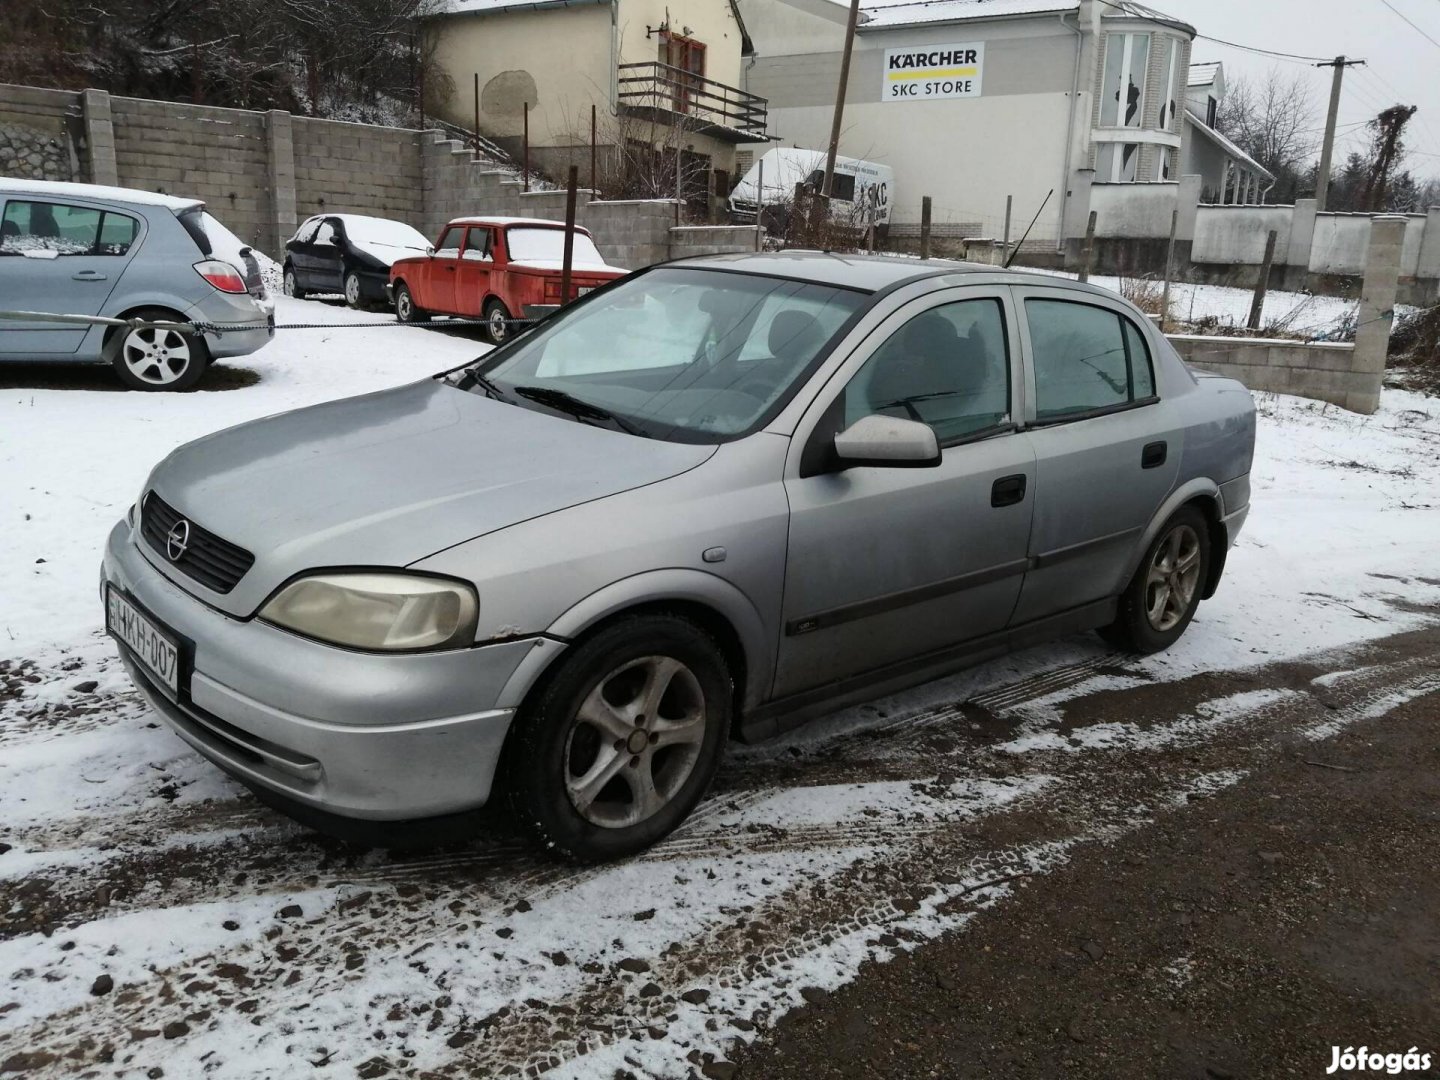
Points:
(1273, 119)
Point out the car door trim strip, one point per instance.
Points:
(1050, 558)
(864, 609)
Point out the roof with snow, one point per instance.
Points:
(480, 7)
(1203, 74)
(133, 196)
(1228, 147)
(910, 12)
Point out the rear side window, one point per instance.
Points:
(477, 248)
(1086, 359)
(117, 233)
(45, 226)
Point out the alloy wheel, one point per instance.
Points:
(1173, 577)
(634, 742)
(289, 282)
(155, 356)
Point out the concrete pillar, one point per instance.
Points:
(1427, 272)
(1377, 309)
(280, 173)
(99, 138)
(1189, 206)
(1076, 215)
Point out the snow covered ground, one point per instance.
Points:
(230, 942)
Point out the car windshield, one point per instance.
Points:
(382, 232)
(548, 245)
(677, 353)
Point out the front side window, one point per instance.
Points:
(1086, 359)
(40, 228)
(449, 246)
(325, 235)
(947, 367)
(680, 354)
(1122, 96)
(477, 247)
(306, 233)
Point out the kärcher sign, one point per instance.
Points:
(933, 71)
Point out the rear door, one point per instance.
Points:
(62, 258)
(1107, 448)
(472, 275)
(441, 271)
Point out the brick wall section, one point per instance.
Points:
(357, 169)
(218, 155)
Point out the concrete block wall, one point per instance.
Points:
(357, 169)
(218, 155)
(1321, 370)
(690, 240)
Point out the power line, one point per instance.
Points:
(1127, 8)
(1409, 22)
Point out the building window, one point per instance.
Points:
(1167, 163)
(1122, 100)
(1171, 49)
(1211, 107)
(1118, 163)
(686, 59)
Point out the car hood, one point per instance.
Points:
(392, 477)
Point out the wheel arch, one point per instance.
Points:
(715, 605)
(113, 334)
(1204, 494)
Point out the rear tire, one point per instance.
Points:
(353, 296)
(405, 309)
(291, 284)
(497, 321)
(150, 359)
(616, 747)
(1162, 597)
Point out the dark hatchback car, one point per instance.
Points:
(349, 254)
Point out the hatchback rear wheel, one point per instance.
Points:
(156, 358)
(618, 746)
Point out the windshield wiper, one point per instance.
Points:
(561, 401)
(471, 377)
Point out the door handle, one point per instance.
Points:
(1008, 490)
(87, 275)
(1154, 454)
(451, 269)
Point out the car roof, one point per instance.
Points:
(96, 193)
(869, 272)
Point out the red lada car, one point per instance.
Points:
(496, 269)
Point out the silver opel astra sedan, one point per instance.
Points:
(708, 501)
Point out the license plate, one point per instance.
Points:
(583, 289)
(155, 650)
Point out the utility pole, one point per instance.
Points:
(1327, 151)
(840, 98)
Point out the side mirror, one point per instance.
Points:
(429, 250)
(888, 442)
(335, 241)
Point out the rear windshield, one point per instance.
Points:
(194, 222)
(548, 245)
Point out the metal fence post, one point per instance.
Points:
(925, 227)
(1089, 251)
(526, 137)
(1169, 271)
(568, 253)
(760, 205)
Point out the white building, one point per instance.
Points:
(1227, 174)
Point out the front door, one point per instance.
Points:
(472, 276)
(325, 261)
(888, 564)
(59, 258)
(1107, 448)
(441, 271)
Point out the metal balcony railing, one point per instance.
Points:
(682, 97)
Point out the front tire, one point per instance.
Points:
(153, 359)
(497, 321)
(1162, 597)
(291, 284)
(614, 750)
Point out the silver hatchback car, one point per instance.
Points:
(121, 253)
(707, 501)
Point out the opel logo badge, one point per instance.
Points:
(177, 540)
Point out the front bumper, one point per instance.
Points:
(354, 735)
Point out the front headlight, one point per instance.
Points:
(384, 612)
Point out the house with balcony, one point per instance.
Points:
(662, 78)
(976, 102)
(1228, 175)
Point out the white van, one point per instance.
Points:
(861, 194)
